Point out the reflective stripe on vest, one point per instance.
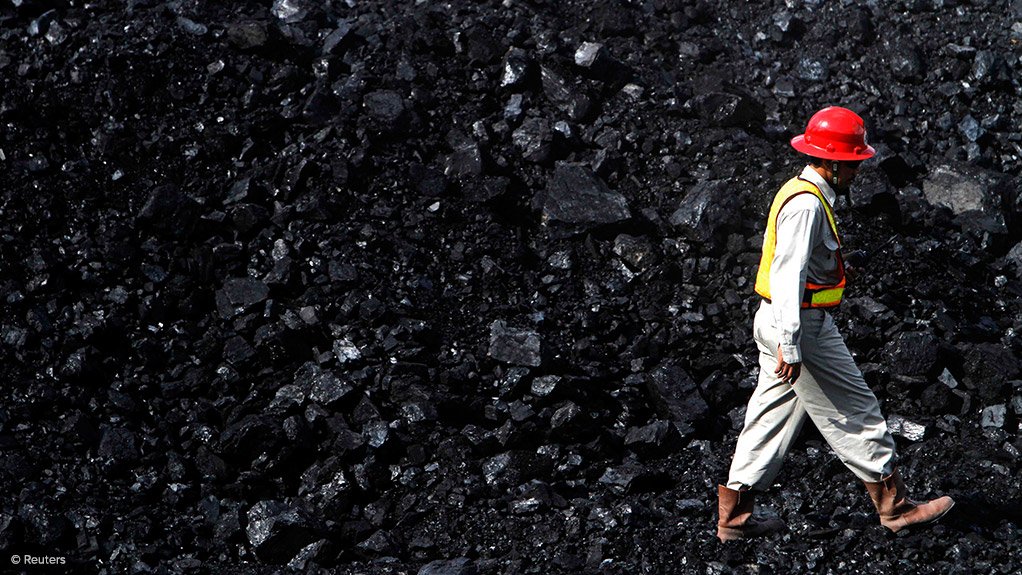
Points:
(815, 295)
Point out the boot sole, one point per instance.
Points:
(731, 534)
(930, 521)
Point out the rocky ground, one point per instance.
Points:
(452, 288)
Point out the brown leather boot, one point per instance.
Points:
(736, 520)
(897, 511)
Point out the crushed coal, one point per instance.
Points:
(466, 288)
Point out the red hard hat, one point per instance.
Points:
(834, 133)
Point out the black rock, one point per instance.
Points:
(988, 369)
(563, 90)
(994, 416)
(913, 353)
(675, 396)
(168, 210)
(706, 209)
(577, 196)
(428, 181)
(513, 345)
(248, 34)
(567, 418)
(595, 58)
(632, 478)
(239, 294)
(336, 41)
(637, 252)
(545, 385)
(313, 553)
(379, 543)
(467, 157)
(386, 109)
(292, 11)
(980, 199)
(906, 63)
(534, 139)
(459, 566)
(658, 437)
(250, 436)
(906, 428)
(328, 389)
(238, 351)
(728, 109)
(46, 528)
(278, 530)
(872, 188)
(591, 54)
(485, 189)
(376, 433)
(517, 66)
(938, 398)
(811, 69)
(117, 446)
(481, 44)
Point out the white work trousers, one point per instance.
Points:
(830, 390)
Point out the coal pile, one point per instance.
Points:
(465, 288)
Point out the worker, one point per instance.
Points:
(805, 368)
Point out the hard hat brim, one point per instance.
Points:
(799, 143)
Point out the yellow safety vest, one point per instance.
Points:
(815, 295)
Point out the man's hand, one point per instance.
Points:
(854, 261)
(856, 258)
(788, 372)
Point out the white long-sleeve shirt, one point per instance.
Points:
(806, 249)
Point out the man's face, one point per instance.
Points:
(846, 172)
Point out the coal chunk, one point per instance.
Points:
(482, 45)
(706, 209)
(278, 531)
(905, 428)
(459, 566)
(676, 396)
(598, 63)
(994, 415)
(291, 11)
(988, 369)
(575, 195)
(466, 158)
(913, 353)
(386, 109)
(517, 66)
(632, 477)
(979, 198)
(239, 294)
(562, 88)
(117, 446)
(637, 252)
(248, 34)
(168, 210)
(545, 385)
(728, 109)
(513, 345)
(534, 139)
(906, 62)
(589, 54)
(328, 389)
(656, 438)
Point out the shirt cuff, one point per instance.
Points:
(791, 353)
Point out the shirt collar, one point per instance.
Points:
(808, 173)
